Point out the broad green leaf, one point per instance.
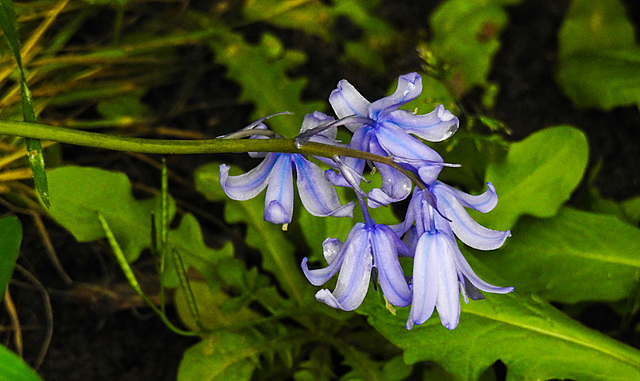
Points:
(262, 69)
(223, 356)
(574, 256)
(593, 25)
(604, 78)
(10, 239)
(534, 340)
(277, 251)
(537, 177)
(79, 194)
(598, 55)
(13, 368)
(465, 37)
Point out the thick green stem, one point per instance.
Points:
(182, 147)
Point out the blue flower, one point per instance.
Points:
(440, 271)
(367, 246)
(388, 132)
(275, 173)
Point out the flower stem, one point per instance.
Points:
(183, 147)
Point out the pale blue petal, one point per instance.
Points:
(346, 101)
(483, 203)
(464, 227)
(395, 184)
(398, 143)
(318, 196)
(278, 203)
(435, 126)
(448, 301)
(355, 272)
(463, 266)
(425, 279)
(409, 87)
(248, 185)
(385, 252)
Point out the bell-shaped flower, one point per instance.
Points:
(388, 131)
(367, 246)
(276, 173)
(440, 271)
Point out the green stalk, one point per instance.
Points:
(183, 147)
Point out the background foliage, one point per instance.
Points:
(228, 285)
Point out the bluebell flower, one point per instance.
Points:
(275, 173)
(388, 132)
(440, 271)
(367, 246)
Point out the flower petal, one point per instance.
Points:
(448, 301)
(248, 185)
(318, 196)
(435, 126)
(409, 87)
(278, 203)
(397, 142)
(425, 279)
(483, 203)
(385, 252)
(346, 100)
(463, 266)
(355, 272)
(464, 227)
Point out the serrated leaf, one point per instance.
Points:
(187, 239)
(13, 368)
(533, 340)
(277, 251)
(537, 177)
(574, 256)
(317, 18)
(262, 69)
(79, 194)
(465, 36)
(223, 356)
(10, 240)
(598, 56)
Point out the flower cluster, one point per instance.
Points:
(435, 217)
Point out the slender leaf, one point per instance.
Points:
(10, 239)
(13, 368)
(36, 159)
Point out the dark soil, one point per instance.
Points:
(96, 337)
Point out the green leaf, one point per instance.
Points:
(36, 159)
(537, 177)
(465, 37)
(262, 69)
(574, 256)
(13, 368)
(277, 251)
(605, 79)
(224, 356)
(593, 25)
(10, 239)
(79, 194)
(187, 239)
(598, 55)
(533, 340)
